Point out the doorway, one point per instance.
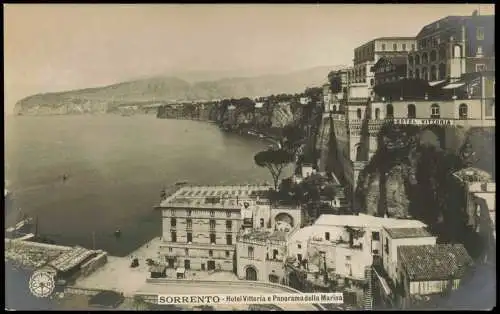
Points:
(251, 274)
(171, 262)
(211, 265)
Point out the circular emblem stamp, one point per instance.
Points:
(41, 284)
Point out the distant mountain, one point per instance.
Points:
(170, 88)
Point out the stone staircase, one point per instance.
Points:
(368, 293)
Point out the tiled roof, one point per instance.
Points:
(402, 233)
(434, 262)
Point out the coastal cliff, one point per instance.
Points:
(410, 178)
(166, 89)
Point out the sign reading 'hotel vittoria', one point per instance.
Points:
(444, 122)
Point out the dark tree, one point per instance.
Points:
(293, 137)
(275, 160)
(335, 82)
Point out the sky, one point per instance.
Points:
(55, 47)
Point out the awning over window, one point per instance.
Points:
(454, 85)
(436, 83)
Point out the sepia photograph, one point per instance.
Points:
(249, 157)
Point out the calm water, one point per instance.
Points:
(117, 167)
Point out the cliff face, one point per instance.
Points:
(413, 180)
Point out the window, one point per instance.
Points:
(480, 67)
(212, 224)
(250, 252)
(229, 239)
(412, 111)
(173, 236)
(189, 212)
(372, 82)
(395, 47)
(479, 52)
(433, 73)
(189, 237)
(299, 246)
(433, 55)
(228, 213)
(170, 249)
(417, 73)
(457, 51)
(189, 223)
(404, 47)
(435, 112)
(327, 236)
(228, 253)
(212, 213)
(383, 47)
(262, 222)
(377, 113)
(210, 253)
(389, 111)
(275, 254)
(212, 238)
(358, 113)
(375, 252)
(229, 224)
(410, 74)
(173, 222)
(299, 257)
(425, 58)
(442, 71)
(375, 236)
(480, 33)
(186, 251)
(417, 59)
(347, 257)
(463, 112)
(173, 212)
(410, 60)
(413, 47)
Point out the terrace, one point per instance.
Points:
(226, 197)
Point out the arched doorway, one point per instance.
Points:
(285, 219)
(251, 273)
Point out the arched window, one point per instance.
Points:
(442, 71)
(433, 73)
(433, 55)
(425, 58)
(358, 152)
(417, 73)
(457, 51)
(442, 53)
(417, 59)
(377, 113)
(412, 111)
(334, 108)
(389, 111)
(425, 75)
(410, 60)
(463, 112)
(359, 113)
(435, 112)
(410, 74)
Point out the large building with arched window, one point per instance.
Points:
(452, 46)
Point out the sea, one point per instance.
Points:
(115, 168)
